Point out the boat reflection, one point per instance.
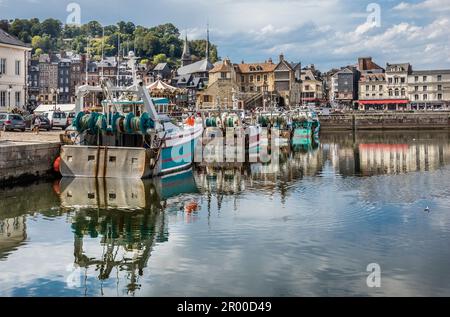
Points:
(128, 217)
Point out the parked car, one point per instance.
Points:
(45, 123)
(70, 117)
(58, 119)
(10, 122)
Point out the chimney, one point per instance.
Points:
(281, 57)
(270, 60)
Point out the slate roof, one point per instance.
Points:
(160, 67)
(6, 38)
(198, 67)
(431, 72)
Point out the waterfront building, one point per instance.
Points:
(162, 71)
(288, 83)
(429, 89)
(76, 75)
(397, 86)
(48, 79)
(64, 75)
(345, 86)
(14, 55)
(256, 83)
(33, 83)
(222, 90)
(373, 92)
(312, 90)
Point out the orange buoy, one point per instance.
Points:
(57, 165)
(191, 207)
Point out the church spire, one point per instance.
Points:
(186, 57)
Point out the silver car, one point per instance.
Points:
(10, 122)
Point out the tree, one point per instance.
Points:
(160, 58)
(93, 29)
(51, 27)
(38, 52)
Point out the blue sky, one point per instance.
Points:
(327, 33)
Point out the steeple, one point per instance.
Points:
(207, 41)
(186, 58)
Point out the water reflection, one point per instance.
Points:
(320, 206)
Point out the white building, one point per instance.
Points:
(13, 72)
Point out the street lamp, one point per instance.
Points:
(53, 91)
(9, 97)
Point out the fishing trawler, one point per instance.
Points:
(231, 124)
(126, 137)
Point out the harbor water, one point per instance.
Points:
(309, 226)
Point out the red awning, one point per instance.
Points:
(384, 102)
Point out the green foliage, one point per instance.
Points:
(160, 43)
(160, 58)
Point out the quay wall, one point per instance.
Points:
(385, 121)
(23, 161)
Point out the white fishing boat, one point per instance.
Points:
(127, 138)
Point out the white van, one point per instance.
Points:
(58, 119)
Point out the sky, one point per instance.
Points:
(327, 33)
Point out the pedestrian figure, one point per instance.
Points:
(37, 125)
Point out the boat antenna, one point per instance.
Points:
(87, 59)
(118, 58)
(103, 54)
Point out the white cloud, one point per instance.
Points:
(432, 5)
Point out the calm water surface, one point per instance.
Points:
(308, 227)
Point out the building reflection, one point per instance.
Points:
(14, 210)
(12, 234)
(370, 154)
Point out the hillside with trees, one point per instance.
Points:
(160, 43)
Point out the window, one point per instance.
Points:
(242, 79)
(2, 98)
(425, 97)
(439, 87)
(2, 65)
(416, 79)
(439, 78)
(18, 95)
(397, 92)
(374, 87)
(390, 80)
(416, 97)
(403, 80)
(425, 78)
(251, 78)
(439, 96)
(396, 80)
(258, 78)
(381, 87)
(251, 88)
(307, 87)
(17, 68)
(425, 88)
(265, 77)
(416, 88)
(223, 75)
(403, 92)
(390, 93)
(243, 89)
(367, 87)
